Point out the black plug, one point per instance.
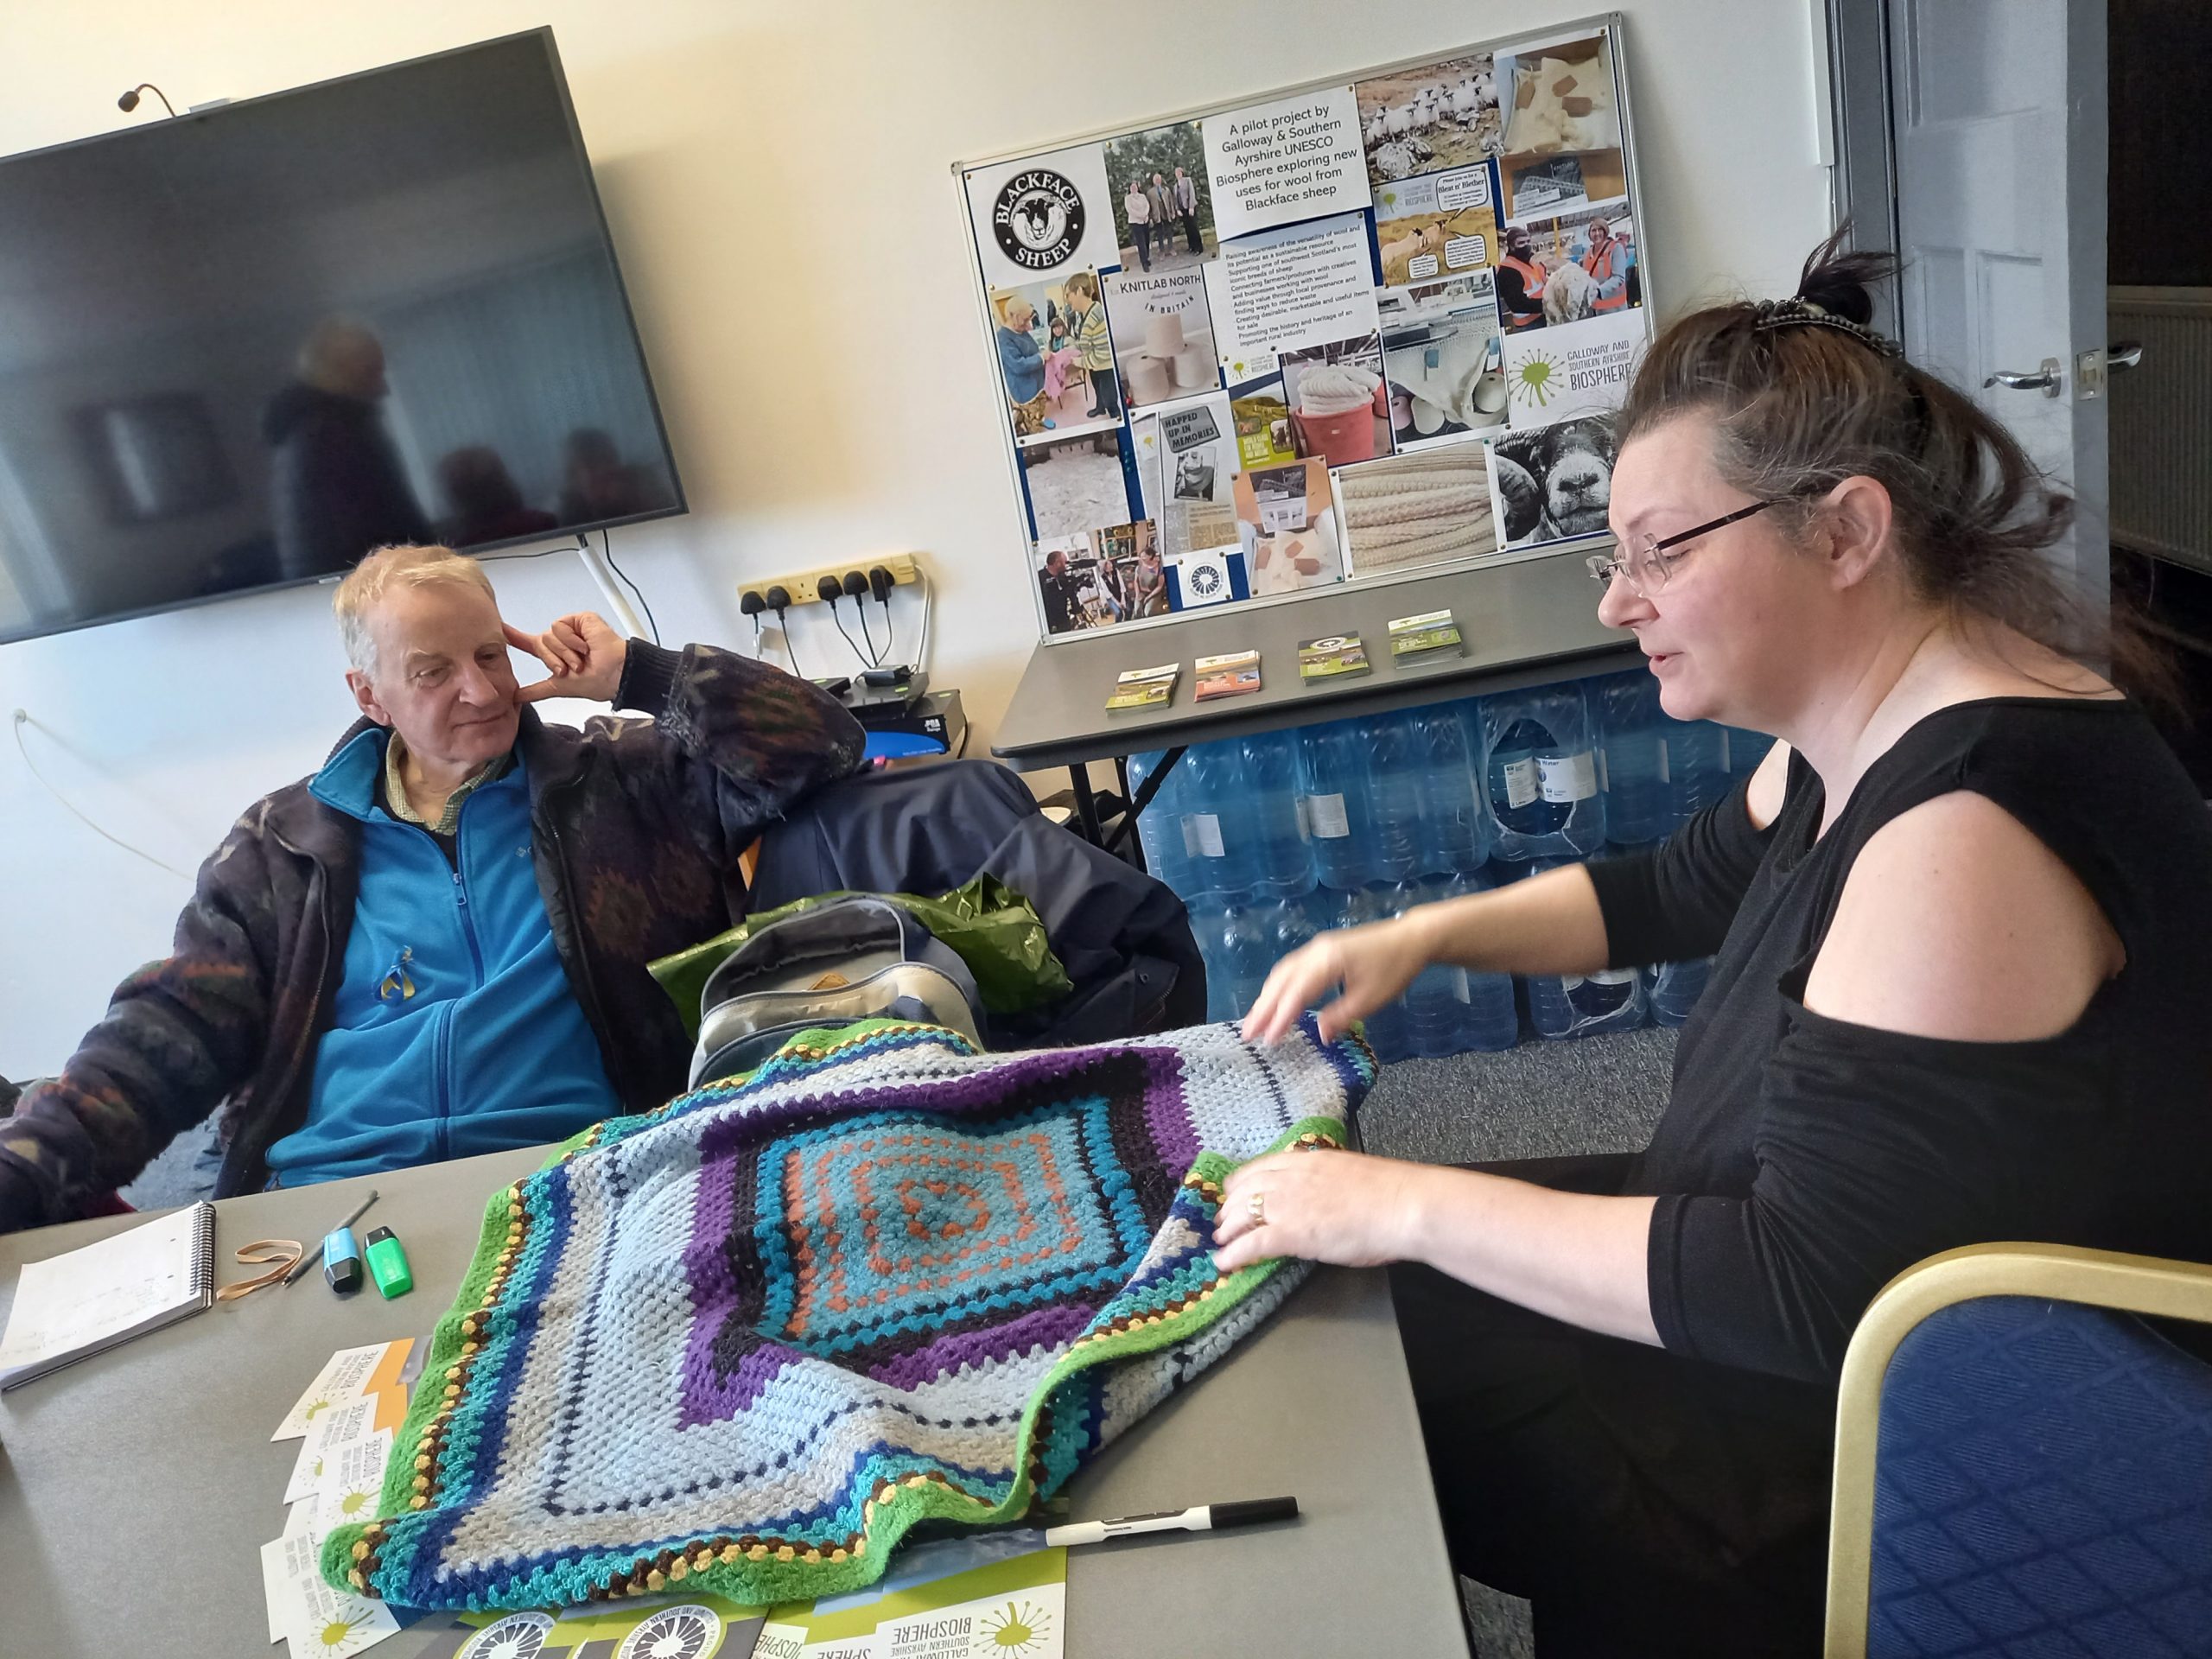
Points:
(750, 604)
(828, 588)
(881, 582)
(779, 597)
(855, 584)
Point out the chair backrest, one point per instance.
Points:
(2043, 1482)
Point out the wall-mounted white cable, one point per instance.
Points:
(23, 719)
(922, 645)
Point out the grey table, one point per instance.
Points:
(1524, 623)
(137, 1486)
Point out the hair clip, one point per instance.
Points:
(1791, 313)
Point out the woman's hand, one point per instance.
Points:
(1372, 963)
(1344, 1207)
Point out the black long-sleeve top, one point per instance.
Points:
(1803, 1161)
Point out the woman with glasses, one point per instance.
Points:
(1958, 920)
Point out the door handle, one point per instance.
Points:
(2122, 355)
(2044, 378)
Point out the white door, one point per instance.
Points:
(2000, 119)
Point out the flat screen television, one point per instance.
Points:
(241, 347)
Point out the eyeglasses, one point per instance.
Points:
(1647, 560)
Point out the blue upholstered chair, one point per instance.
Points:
(2024, 1466)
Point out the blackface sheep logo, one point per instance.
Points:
(1037, 219)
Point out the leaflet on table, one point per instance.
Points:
(1233, 674)
(348, 1375)
(1143, 687)
(1015, 1604)
(1330, 656)
(1432, 633)
(304, 1609)
(696, 1623)
(332, 1429)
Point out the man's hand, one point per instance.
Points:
(585, 655)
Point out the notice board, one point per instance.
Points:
(1366, 328)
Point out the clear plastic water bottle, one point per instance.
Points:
(1542, 773)
(1386, 1027)
(1159, 826)
(1394, 772)
(1696, 773)
(1333, 766)
(1492, 1024)
(1455, 827)
(1282, 863)
(1236, 941)
(1673, 989)
(1585, 1005)
(1435, 1004)
(1631, 731)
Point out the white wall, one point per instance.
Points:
(777, 176)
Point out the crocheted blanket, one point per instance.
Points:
(743, 1344)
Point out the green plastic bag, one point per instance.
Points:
(992, 928)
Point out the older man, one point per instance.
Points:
(436, 945)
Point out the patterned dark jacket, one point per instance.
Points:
(636, 827)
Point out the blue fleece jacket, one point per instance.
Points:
(455, 1030)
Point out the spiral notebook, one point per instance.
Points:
(91, 1300)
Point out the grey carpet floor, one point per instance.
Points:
(1541, 1099)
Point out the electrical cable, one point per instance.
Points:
(865, 661)
(607, 548)
(929, 601)
(874, 660)
(23, 719)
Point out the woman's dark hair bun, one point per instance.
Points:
(1841, 281)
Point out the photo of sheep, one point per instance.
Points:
(1560, 96)
(1441, 115)
(1410, 510)
(1553, 483)
(1163, 216)
(1441, 225)
(1076, 484)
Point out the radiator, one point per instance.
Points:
(2162, 424)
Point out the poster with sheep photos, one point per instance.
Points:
(1398, 305)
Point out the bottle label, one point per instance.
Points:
(1666, 773)
(1326, 813)
(1520, 782)
(1565, 776)
(1206, 833)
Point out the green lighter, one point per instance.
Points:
(388, 1264)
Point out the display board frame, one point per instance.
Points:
(1608, 25)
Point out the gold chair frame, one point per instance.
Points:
(2128, 1284)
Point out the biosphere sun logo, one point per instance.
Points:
(1536, 381)
(1039, 219)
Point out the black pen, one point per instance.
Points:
(308, 1257)
(1203, 1517)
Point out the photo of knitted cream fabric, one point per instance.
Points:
(1412, 510)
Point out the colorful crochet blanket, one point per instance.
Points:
(744, 1344)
